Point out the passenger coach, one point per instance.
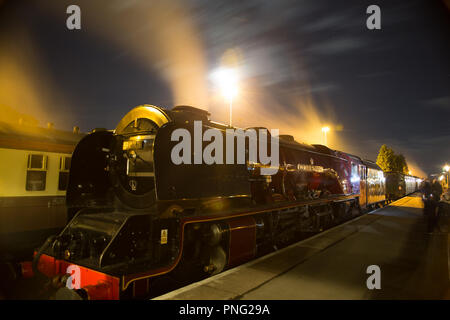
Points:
(34, 171)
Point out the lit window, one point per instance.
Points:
(36, 172)
(64, 167)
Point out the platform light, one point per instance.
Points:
(447, 173)
(227, 81)
(325, 130)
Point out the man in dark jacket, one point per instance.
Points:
(426, 191)
(432, 205)
(436, 190)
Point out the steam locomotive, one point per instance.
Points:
(137, 216)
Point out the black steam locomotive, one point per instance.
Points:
(137, 216)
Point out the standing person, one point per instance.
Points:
(436, 192)
(426, 191)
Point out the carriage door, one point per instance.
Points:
(362, 186)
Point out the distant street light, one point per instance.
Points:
(325, 130)
(227, 80)
(446, 169)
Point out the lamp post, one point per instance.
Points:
(446, 170)
(325, 130)
(227, 80)
(231, 111)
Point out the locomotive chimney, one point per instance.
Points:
(76, 129)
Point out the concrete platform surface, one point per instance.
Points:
(333, 265)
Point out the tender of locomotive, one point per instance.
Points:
(138, 216)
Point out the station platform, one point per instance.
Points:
(333, 264)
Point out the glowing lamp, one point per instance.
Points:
(227, 80)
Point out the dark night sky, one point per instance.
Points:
(386, 86)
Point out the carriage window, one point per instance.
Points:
(64, 163)
(36, 172)
(363, 172)
(354, 170)
(64, 167)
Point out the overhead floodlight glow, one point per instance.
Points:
(227, 80)
(325, 130)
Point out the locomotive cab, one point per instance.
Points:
(117, 165)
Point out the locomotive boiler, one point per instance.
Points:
(136, 215)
